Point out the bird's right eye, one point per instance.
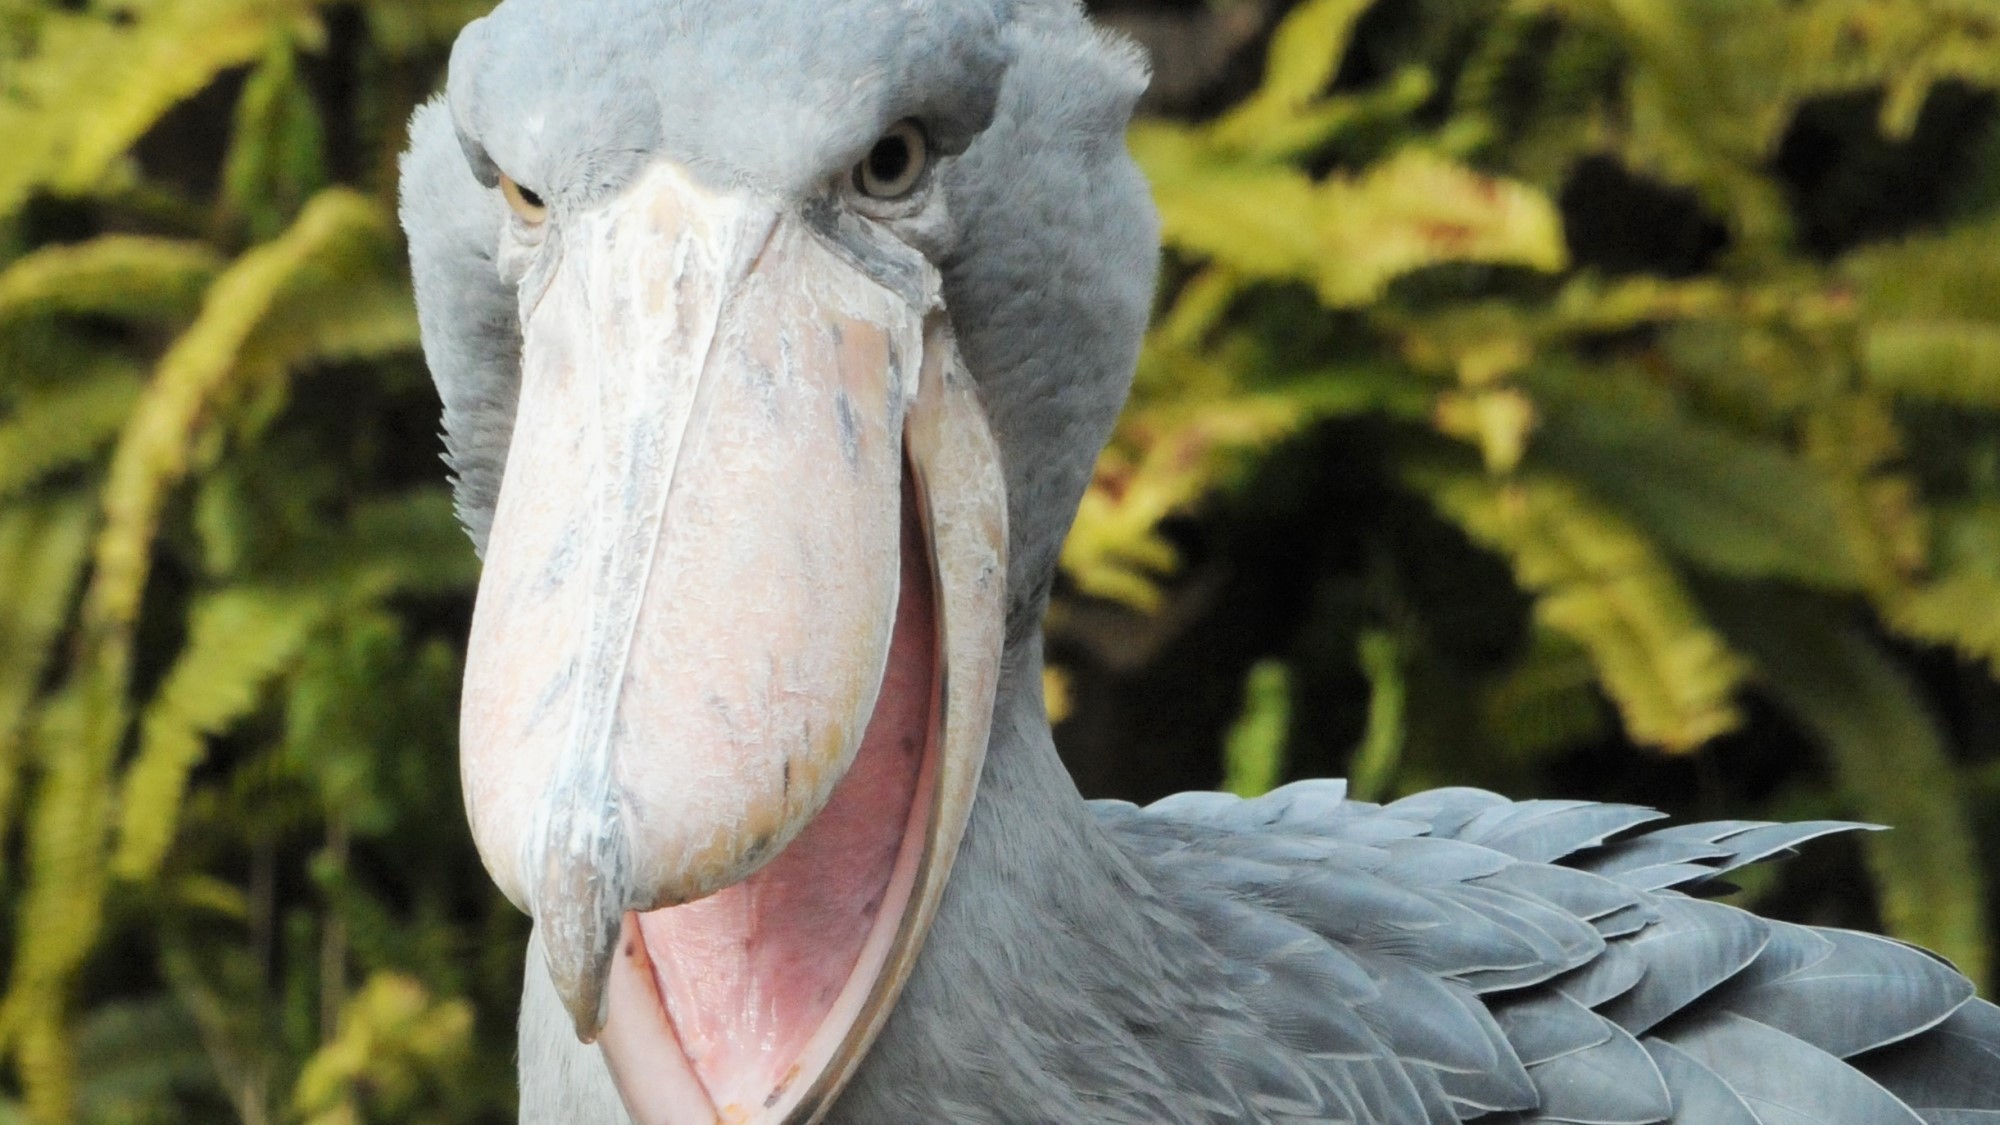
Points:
(527, 204)
(895, 167)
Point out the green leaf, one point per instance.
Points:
(274, 164)
(1256, 219)
(64, 426)
(42, 551)
(1940, 361)
(1723, 502)
(96, 83)
(1600, 583)
(1420, 209)
(1381, 751)
(118, 275)
(270, 299)
(1303, 55)
(238, 640)
(1253, 752)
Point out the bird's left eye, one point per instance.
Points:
(896, 165)
(527, 204)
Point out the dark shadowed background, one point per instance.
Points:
(1578, 398)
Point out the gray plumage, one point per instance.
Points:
(1454, 956)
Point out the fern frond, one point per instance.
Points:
(1939, 361)
(1950, 275)
(1856, 445)
(1349, 236)
(1300, 61)
(407, 543)
(1841, 45)
(1599, 582)
(1702, 90)
(394, 1037)
(1252, 218)
(42, 551)
(132, 1055)
(1419, 209)
(96, 84)
(1958, 603)
(64, 426)
(279, 283)
(47, 1066)
(119, 275)
(1961, 610)
(62, 909)
(354, 311)
(1168, 460)
(401, 28)
(274, 161)
(85, 725)
(1253, 750)
(239, 638)
(1724, 502)
(1380, 753)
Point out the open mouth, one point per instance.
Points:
(756, 988)
(736, 644)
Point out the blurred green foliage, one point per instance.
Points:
(1722, 405)
(1760, 467)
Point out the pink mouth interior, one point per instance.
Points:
(751, 974)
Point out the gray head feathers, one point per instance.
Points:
(771, 95)
(1048, 271)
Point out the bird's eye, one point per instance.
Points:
(896, 165)
(525, 203)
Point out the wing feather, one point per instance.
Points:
(1455, 956)
(1701, 1097)
(1865, 993)
(1786, 1080)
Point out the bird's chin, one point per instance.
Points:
(751, 1004)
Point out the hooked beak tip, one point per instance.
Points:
(580, 904)
(578, 970)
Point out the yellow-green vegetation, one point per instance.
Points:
(1732, 476)
(218, 690)
(1676, 323)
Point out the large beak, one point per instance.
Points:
(736, 642)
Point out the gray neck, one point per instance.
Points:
(1052, 960)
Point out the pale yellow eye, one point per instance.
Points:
(896, 165)
(525, 203)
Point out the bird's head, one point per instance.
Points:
(775, 339)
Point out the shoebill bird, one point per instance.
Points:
(776, 339)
